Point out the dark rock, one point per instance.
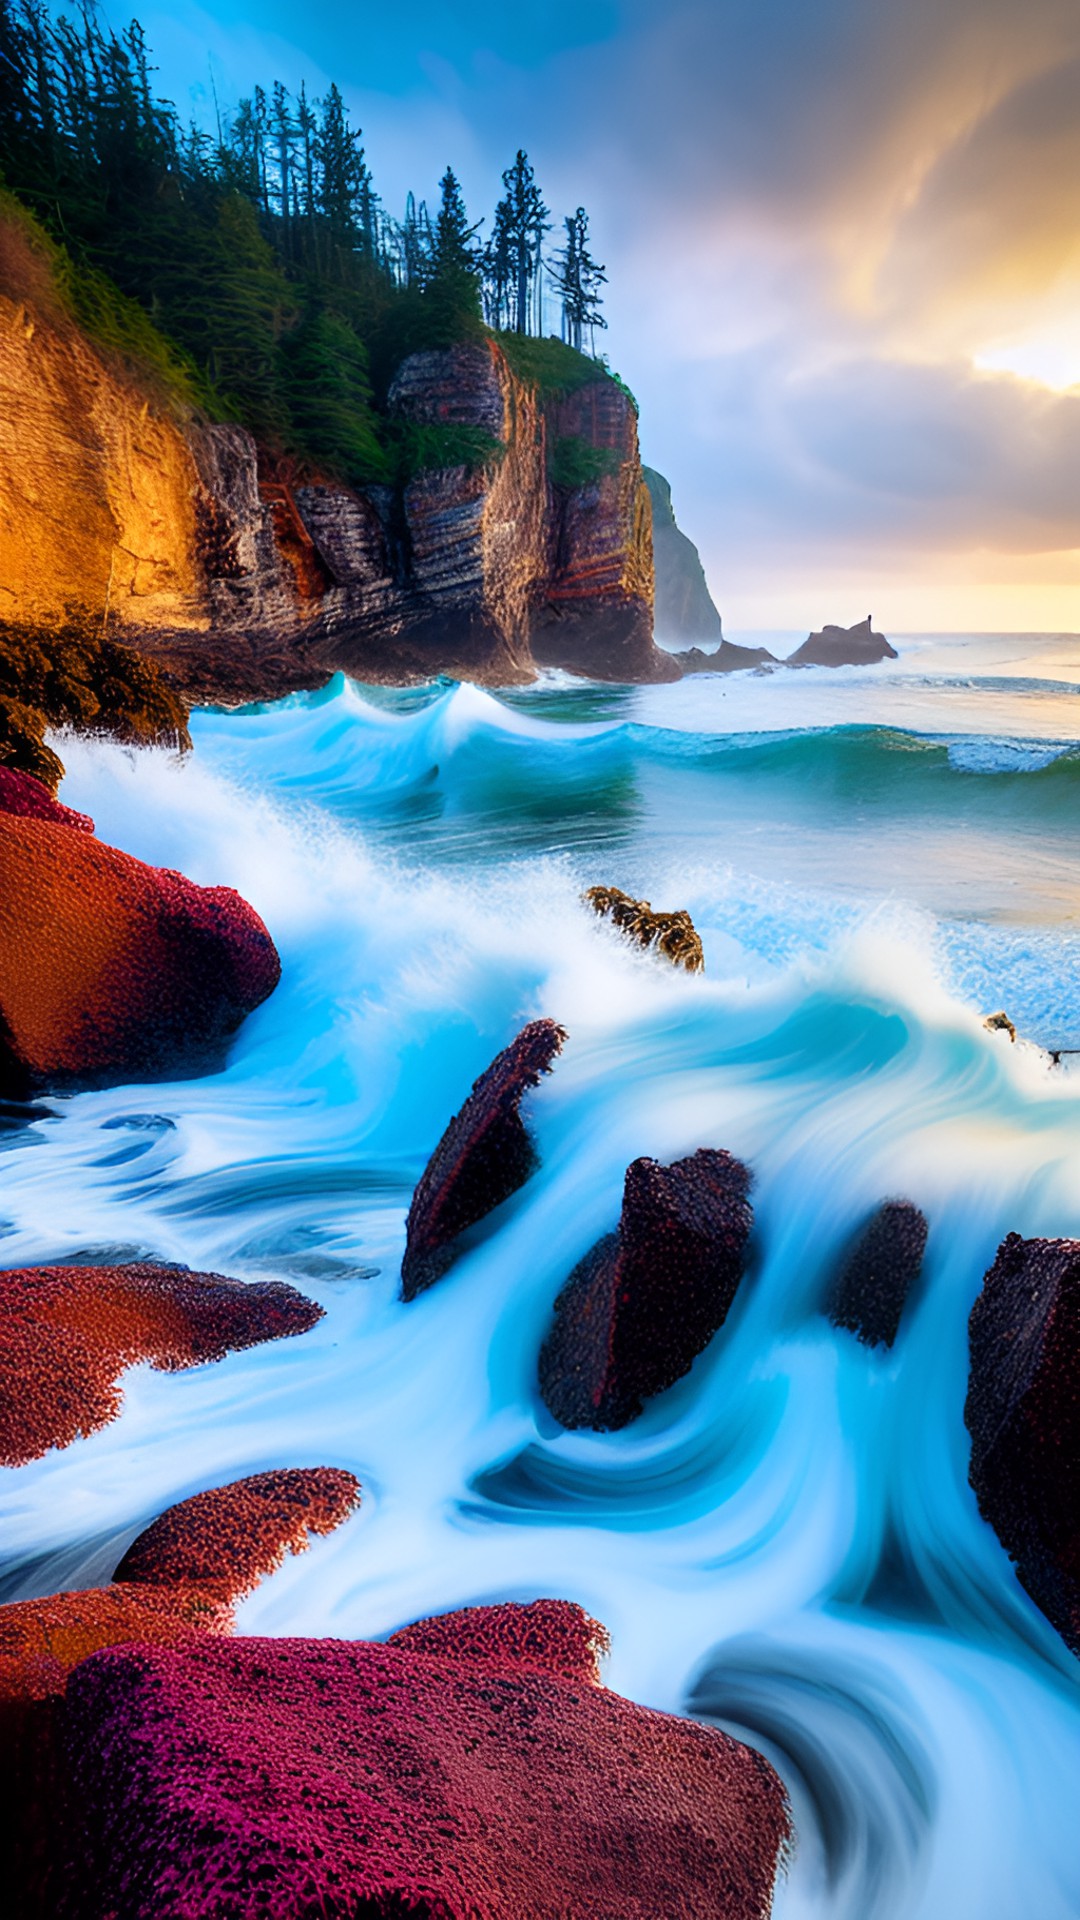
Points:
(857, 646)
(1000, 1023)
(672, 934)
(464, 1772)
(726, 658)
(684, 606)
(880, 1270)
(1023, 1415)
(484, 1156)
(646, 1300)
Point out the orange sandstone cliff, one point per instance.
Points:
(188, 542)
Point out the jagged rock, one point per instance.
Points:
(646, 1300)
(484, 1156)
(684, 606)
(879, 1273)
(425, 1776)
(672, 934)
(66, 1333)
(726, 658)
(857, 646)
(111, 970)
(1023, 1415)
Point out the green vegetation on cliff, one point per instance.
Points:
(256, 276)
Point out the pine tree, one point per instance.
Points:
(578, 282)
(452, 293)
(521, 221)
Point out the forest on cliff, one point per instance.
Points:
(254, 273)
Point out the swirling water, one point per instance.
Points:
(786, 1541)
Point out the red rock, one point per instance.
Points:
(544, 1636)
(484, 1156)
(111, 970)
(879, 1272)
(646, 1300)
(66, 1333)
(183, 1575)
(332, 1778)
(179, 1581)
(1023, 1415)
(21, 794)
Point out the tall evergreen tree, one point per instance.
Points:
(452, 294)
(578, 280)
(521, 221)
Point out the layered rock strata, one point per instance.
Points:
(427, 1776)
(647, 1299)
(485, 1155)
(66, 1334)
(879, 1272)
(247, 580)
(111, 970)
(1023, 1415)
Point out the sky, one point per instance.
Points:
(843, 249)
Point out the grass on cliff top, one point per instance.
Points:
(37, 266)
(554, 368)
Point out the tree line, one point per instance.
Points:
(262, 249)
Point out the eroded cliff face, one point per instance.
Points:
(246, 583)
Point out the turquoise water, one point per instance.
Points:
(786, 1540)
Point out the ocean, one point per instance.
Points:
(786, 1541)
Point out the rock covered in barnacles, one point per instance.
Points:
(672, 934)
(111, 970)
(21, 794)
(484, 1156)
(66, 1334)
(1023, 1415)
(647, 1299)
(292, 1777)
(541, 1636)
(879, 1273)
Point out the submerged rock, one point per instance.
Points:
(1023, 1415)
(880, 1270)
(646, 1300)
(467, 1769)
(857, 646)
(111, 970)
(484, 1156)
(66, 1334)
(672, 934)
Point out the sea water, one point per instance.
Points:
(786, 1541)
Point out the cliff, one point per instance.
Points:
(685, 612)
(247, 579)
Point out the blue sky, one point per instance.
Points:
(843, 244)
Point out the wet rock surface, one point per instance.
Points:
(879, 1272)
(671, 934)
(1023, 1415)
(66, 1334)
(111, 970)
(484, 1156)
(647, 1299)
(331, 1777)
